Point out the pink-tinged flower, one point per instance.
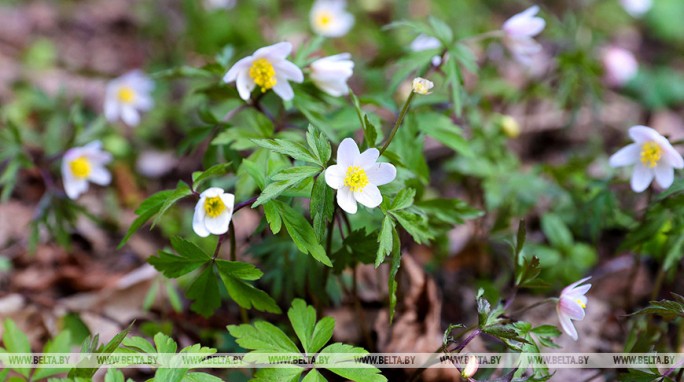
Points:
(81, 165)
(571, 305)
(268, 68)
(652, 156)
(519, 31)
(356, 176)
(636, 8)
(619, 65)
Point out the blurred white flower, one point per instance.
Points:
(519, 31)
(213, 212)
(652, 156)
(329, 18)
(331, 73)
(267, 69)
(422, 86)
(636, 8)
(212, 5)
(619, 65)
(471, 367)
(154, 164)
(510, 126)
(571, 305)
(425, 42)
(127, 96)
(81, 165)
(356, 176)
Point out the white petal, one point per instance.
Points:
(245, 84)
(198, 219)
(381, 173)
(525, 23)
(111, 108)
(144, 102)
(571, 308)
(219, 224)
(347, 152)
(283, 89)
(369, 197)
(334, 176)
(626, 156)
(289, 71)
(673, 157)
(641, 134)
(641, 178)
(572, 286)
(237, 68)
(367, 158)
(211, 192)
(274, 52)
(346, 201)
(129, 115)
(75, 187)
(567, 325)
(100, 176)
(664, 175)
(229, 200)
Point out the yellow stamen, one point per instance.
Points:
(356, 178)
(263, 74)
(80, 167)
(581, 304)
(324, 19)
(214, 206)
(126, 94)
(650, 154)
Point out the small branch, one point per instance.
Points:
(536, 304)
(244, 204)
(233, 242)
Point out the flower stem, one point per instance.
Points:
(536, 304)
(233, 244)
(398, 123)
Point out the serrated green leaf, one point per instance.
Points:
(314, 376)
(189, 258)
(273, 217)
(200, 377)
(200, 177)
(114, 375)
(16, 342)
(204, 292)
(303, 319)
(294, 150)
(415, 224)
(302, 233)
(319, 145)
(148, 208)
(403, 200)
(385, 240)
(284, 180)
(395, 263)
(262, 336)
(444, 130)
(370, 374)
(280, 374)
(60, 344)
(321, 206)
(233, 275)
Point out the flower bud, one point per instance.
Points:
(422, 86)
(471, 367)
(510, 126)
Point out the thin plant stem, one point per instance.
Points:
(536, 304)
(398, 122)
(233, 242)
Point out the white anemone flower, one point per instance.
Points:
(619, 65)
(213, 212)
(425, 42)
(519, 31)
(127, 96)
(652, 156)
(329, 18)
(636, 8)
(330, 74)
(81, 165)
(267, 69)
(356, 176)
(213, 5)
(571, 305)
(422, 86)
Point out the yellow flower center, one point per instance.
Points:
(650, 154)
(356, 178)
(214, 206)
(126, 94)
(263, 74)
(324, 19)
(80, 167)
(580, 303)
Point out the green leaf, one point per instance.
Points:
(322, 334)
(395, 262)
(319, 145)
(556, 231)
(370, 132)
(292, 149)
(448, 211)
(284, 180)
(520, 238)
(148, 208)
(403, 200)
(263, 337)
(280, 374)
(668, 309)
(199, 177)
(16, 342)
(60, 344)
(444, 130)
(114, 375)
(303, 320)
(91, 346)
(314, 376)
(204, 292)
(189, 258)
(415, 224)
(385, 240)
(273, 217)
(246, 126)
(546, 331)
(370, 374)
(233, 275)
(321, 206)
(528, 271)
(302, 233)
(453, 73)
(442, 31)
(201, 377)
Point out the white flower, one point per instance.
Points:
(268, 69)
(329, 18)
(636, 8)
(422, 86)
(425, 42)
(213, 212)
(83, 164)
(331, 73)
(652, 156)
(619, 65)
(471, 367)
(212, 5)
(519, 31)
(127, 96)
(571, 305)
(356, 176)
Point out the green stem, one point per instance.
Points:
(536, 304)
(233, 244)
(398, 123)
